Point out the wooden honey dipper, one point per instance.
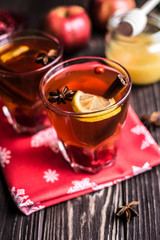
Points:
(135, 20)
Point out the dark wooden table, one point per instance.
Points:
(91, 216)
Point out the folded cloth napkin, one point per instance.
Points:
(37, 175)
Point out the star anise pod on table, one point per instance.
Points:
(46, 58)
(61, 96)
(152, 121)
(128, 210)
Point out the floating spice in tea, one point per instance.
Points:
(119, 83)
(99, 70)
(61, 96)
(46, 58)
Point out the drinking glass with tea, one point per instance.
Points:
(25, 56)
(87, 100)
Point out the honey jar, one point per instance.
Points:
(140, 55)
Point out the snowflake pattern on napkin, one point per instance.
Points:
(38, 176)
(5, 156)
(51, 175)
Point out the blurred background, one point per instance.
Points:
(35, 9)
(34, 12)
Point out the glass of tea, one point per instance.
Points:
(87, 100)
(25, 56)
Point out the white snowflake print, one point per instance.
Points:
(23, 202)
(148, 140)
(5, 156)
(81, 185)
(51, 176)
(121, 179)
(138, 170)
(33, 208)
(20, 198)
(108, 184)
(47, 137)
(101, 186)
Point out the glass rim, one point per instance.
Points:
(88, 114)
(4, 38)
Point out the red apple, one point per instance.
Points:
(102, 10)
(71, 24)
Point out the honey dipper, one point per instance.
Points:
(135, 20)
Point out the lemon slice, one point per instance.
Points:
(86, 103)
(14, 53)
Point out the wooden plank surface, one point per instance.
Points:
(92, 216)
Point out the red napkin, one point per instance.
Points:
(37, 175)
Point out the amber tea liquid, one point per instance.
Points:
(90, 145)
(20, 75)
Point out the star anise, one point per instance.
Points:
(128, 210)
(61, 96)
(46, 58)
(151, 121)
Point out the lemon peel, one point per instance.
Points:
(14, 53)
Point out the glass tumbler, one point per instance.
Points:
(25, 56)
(88, 140)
